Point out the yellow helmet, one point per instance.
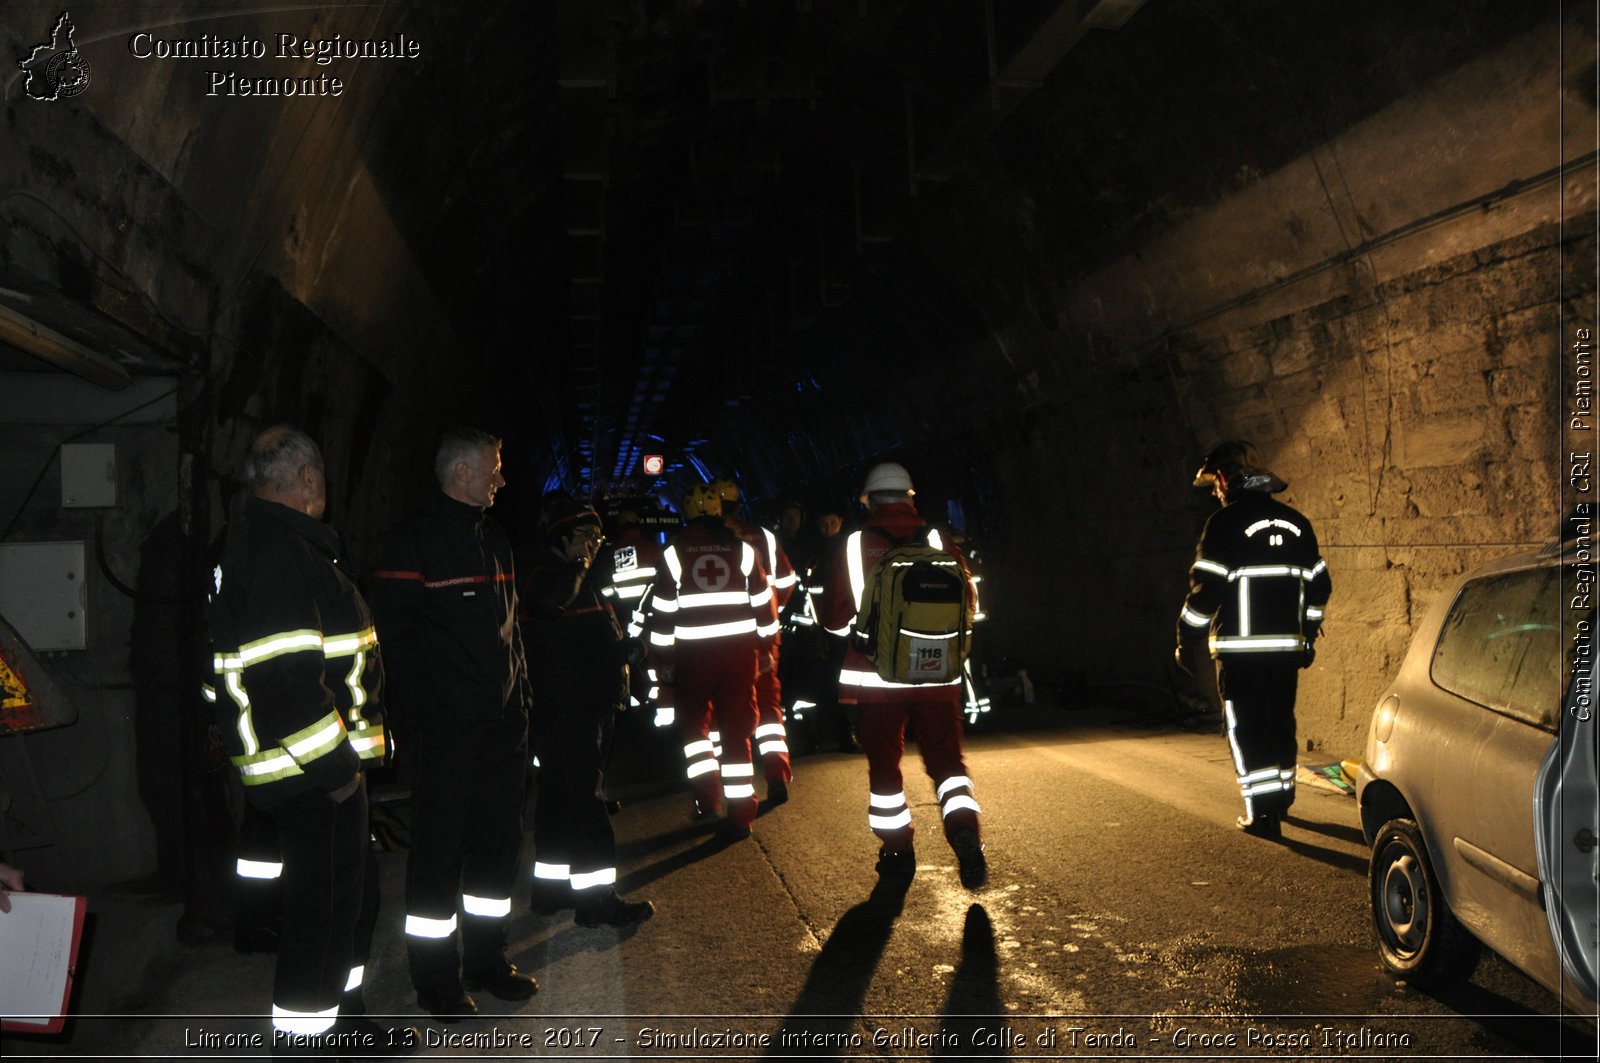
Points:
(702, 500)
(726, 489)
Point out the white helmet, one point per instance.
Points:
(888, 476)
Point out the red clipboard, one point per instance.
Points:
(39, 938)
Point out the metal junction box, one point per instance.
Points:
(88, 475)
(44, 593)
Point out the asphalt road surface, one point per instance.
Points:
(1125, 917)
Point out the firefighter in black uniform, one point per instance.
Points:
(1256, 594)
(445, 598)
(576, 701)
(297, 688)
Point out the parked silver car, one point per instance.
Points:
(1478, 789)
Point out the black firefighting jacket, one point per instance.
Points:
(445, 596)
(575, 629)
(1258, 583)
(298, 680)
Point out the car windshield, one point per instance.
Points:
(1502, 645)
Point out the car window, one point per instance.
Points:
(1501, 645)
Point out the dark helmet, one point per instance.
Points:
(1233, 462)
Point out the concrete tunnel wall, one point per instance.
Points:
(1383, 314)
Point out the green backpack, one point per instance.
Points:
(915, 622)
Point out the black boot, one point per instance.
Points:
(608, 909)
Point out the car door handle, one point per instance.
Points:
(1585, 840)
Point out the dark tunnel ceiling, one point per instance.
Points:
(648, 208)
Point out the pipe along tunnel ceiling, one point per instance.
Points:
(1042, 252)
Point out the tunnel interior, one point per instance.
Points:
(1042, 253)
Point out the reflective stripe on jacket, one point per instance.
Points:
(713, 587)
(298, 679)
(1258, 583)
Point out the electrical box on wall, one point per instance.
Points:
(88, 475)
(43, 593)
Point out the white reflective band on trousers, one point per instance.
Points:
(551, 872)
(590, 880)
(737, 781)
(304, 1023)
(419, 927)
(259, 869)
(771, 738)
(357, 975)
(1252, 784)
(888, 811)
(952, 801)
(701, 756)
(485, 907)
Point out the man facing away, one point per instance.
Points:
(445, 597)
(934, 710)
(1256, 594)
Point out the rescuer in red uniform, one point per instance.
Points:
(887, 707)
(771, 737)
(712, 619)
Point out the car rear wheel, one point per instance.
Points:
(1418, 937)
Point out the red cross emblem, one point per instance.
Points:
(711, 573)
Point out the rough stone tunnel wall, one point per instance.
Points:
(1382, 315)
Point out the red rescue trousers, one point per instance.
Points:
(715, 680)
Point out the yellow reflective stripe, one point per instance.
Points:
(267, 766)
(317, 740)
(1194, 618)
(369, 742)
(343, 645)
(208, 693)
(264, 649)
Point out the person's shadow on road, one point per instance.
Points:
(973, 1017)
(824, 1015)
